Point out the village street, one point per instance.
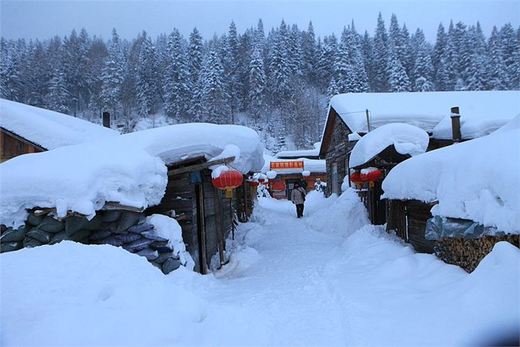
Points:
(319, 281)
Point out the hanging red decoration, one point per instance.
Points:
(355, 177)
(261, 180)
(253, 183)
(374, 175)
(228, 180)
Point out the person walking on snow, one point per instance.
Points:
(298, 198)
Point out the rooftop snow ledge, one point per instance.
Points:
(129, 169)
(406, 139)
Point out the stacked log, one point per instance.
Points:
(467, 253)
(125, 229)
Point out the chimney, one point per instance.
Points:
(106, 119)
(455, 124)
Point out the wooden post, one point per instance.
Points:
(368, 120)
(220, 233)
(455, 124)
(106, 119)
(202, 229)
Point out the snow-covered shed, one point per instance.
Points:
(352, 115)
(375, 154)
(118, 181)
(29, 129)
(474, 200)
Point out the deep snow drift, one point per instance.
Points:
(329, 279)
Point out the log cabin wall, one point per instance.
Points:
(337, 156)
(12, 145)
(408, 220)
(203, 212)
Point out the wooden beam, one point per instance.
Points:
(117, 206)
(22, 139)
(201, 166)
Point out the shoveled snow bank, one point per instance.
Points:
(71, 294)
(129, 169)
(298, 153)
(475, 180)
(406, 139)
(481, 111)
(47, 128)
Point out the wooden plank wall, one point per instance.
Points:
(408, 220)
(11, 147)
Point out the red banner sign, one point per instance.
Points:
(280, 165)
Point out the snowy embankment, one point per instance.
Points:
(329, 279)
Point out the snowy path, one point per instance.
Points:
(330, 279)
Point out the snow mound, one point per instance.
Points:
(62, 293)
(475, 180)
(129, 169)
(406, 139)
(47, 128)
(330, 210)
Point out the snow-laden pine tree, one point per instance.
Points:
(310, 56)
(112, 76)
(75, 66)
(398, 80)
(214, 97)
(438, 59)
(367, 49)
(326, 60)
(345, 73)
(509, 46)
(230, 60)
(58, 97)
(12, 82)
(475, 74)
(380, 74)
(146, 81)
(177, 80)
(498, 78)
(423, 69)
(279, 67)
(257, 84)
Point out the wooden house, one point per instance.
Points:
(458, 201)
(352, 116)
(28, 129)
(286, 172)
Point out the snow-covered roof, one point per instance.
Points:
(475, 180)
(406, 139)
(299, 153)
(47, 128)
(481, 111)
(129, 169)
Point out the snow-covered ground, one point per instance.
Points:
(328, 279)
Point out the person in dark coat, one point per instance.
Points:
(298, 198)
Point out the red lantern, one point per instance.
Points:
(356, 178)
(228, 180)
(261, 180)
(372, 176)
(253, 183)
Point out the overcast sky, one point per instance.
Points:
(43, 19)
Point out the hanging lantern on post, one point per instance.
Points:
(228, 180)
(371, 176)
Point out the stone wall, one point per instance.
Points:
(125, 229)
(467, 253)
